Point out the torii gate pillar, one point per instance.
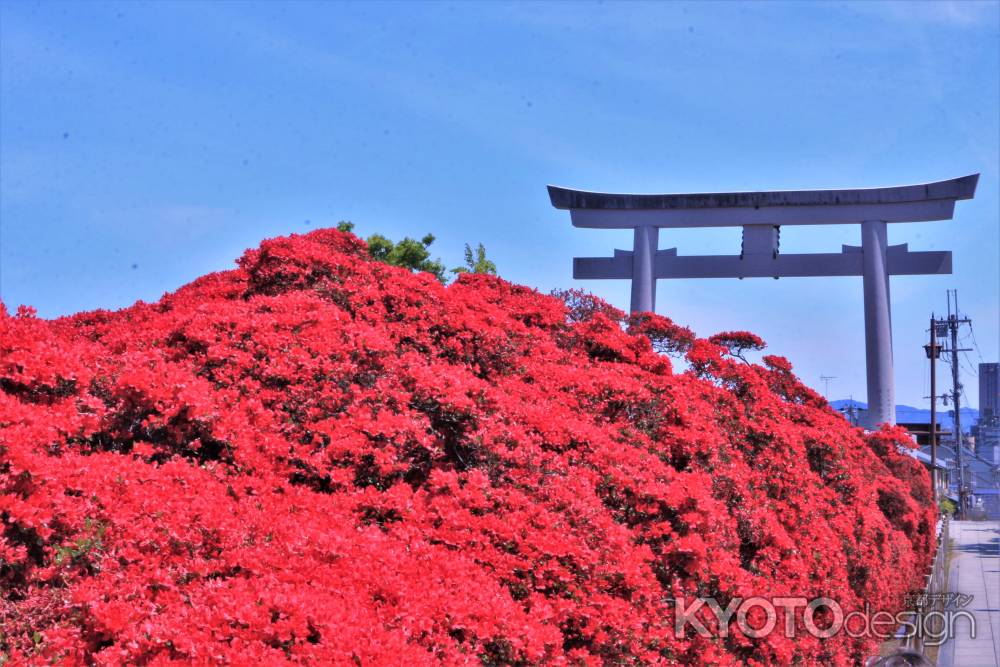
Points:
(878, 324)
(643, 271)
(761, 215)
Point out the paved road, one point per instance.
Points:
(975, 570)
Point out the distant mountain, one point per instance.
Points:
(910, 414)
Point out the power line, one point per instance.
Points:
(972, 367)
(972, 333)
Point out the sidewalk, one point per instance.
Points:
(975, 570)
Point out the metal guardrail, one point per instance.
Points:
(932, 600)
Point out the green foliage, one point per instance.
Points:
(408, 253)
(947, 507)
(415, 255)
(81, 549)
(476, 263)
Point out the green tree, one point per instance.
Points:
(416, 256)
(408, 253)
(476, 262)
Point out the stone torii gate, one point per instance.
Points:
(761, 215)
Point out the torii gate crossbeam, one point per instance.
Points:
(761, 214)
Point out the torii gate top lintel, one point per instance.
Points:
(904, 203)
(762, 214)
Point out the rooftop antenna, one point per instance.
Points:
(826, 384)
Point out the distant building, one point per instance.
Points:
(982, 479)
(987, 429)
(921, 432)
(940, 471)
(989, 394)
(987, 439)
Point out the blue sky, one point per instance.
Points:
(142, 145)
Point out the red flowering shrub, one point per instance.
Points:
(319, 458)
(738, 342)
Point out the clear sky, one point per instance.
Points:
(146, 144)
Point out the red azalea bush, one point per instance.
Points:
(319, 458)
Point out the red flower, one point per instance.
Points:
(318, 458)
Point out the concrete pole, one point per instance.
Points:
(643, 276)
(956, 404)
(932, 352)
(878, 325)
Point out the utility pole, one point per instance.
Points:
(933, 351)
(952, 324)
